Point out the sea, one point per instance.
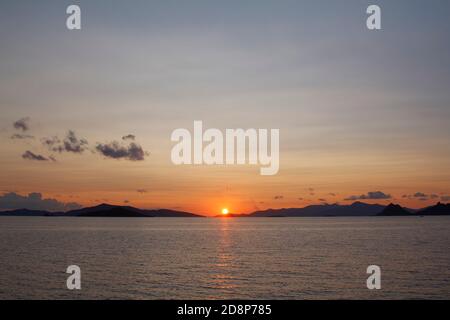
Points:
(225, 258)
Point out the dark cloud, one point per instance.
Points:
(126, 201)
(34, 201)
(278, 197)
(22, 136)
(322, 199)
(372, 195)
(300, 198)
(141, 190)
(129, 137)
(28, 155)
(445, 198)
(419, 195)
(22, 124)
(52, 143)
(71, 143)
(115, 150)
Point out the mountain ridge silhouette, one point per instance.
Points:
(395, 210)
(103, 210)
(356, 209)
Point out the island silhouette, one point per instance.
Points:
(356, 209)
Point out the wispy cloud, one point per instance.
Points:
(28, 155)
(421, 196)
(129, 137)
(22, 136)
(371, 195)
(71, 143)
(34, 201)
(22, 124)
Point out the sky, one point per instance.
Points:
(363, 115)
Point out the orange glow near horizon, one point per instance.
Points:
(225, 211)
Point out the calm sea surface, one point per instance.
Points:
(248, 258)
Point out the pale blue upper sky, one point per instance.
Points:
(310, 68)
(247, 58)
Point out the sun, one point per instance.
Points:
(224, 211)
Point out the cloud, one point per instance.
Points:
(419, 195)
(129, 137)
(445, 198)
(34, 201)
(332, 194)
(278, 197)
(22, 136)
(71, 143)
(28, 155)
(371, 195)
(115, 150)
(22, 124)
(322, 199)
(141, 190)
(52, 143)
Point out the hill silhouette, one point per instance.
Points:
(394, 210)
(102, 210)
(439, 209)
(356, 209)
(325, 210)
(108, 210)
(113, 212)
(29, 213)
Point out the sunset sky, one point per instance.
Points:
(363, 115)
